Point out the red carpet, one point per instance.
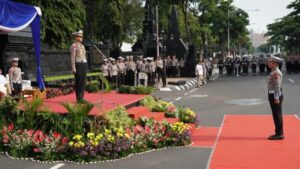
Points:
(103, 101)
(243, 144)
(204, 136)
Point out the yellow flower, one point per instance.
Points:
(91, 135)
(99, 137)
(77, 137)
(71, 143)
(107, 132)
(111, 138)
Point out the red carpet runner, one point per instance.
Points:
(204, 136)
(243, 144)
(104, 102)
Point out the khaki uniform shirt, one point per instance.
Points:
(132, 66)
(15, 75)
(275, 83)
(160, 64)
(114, 70)
(121, 67)
(105, 69)
(78, 54)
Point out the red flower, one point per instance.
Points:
(30, 132)
(4, 129)
(10, 127)
(147, 129)
(64, 140)
(37, 150)
(137, 129)
(171, 109)
(5, 138)
(56, 135)
(39, 136)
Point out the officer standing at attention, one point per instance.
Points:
(79, 64)
(15, 78)
(275, 96)
(220, 66)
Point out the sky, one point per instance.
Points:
(269, 11)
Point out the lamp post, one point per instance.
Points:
(164, 74)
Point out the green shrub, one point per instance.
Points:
(27, 118)
(135, 89)
(8, 110)
(149, 102)
(92, 87)
(77, 114)
(118, 118)
(143, 90)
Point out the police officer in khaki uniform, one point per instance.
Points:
(121, 71)
(113, 69)
(79, 64)
(275, 96)
(131, 71)
(15, 78)
(159, 68)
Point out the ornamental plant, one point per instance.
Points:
(118, 118)
(180, 134)
(109, 144)
(48, 147)
(186, 115)
(33, 143)
(92, 87)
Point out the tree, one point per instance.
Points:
(59, 20)
(286, 31)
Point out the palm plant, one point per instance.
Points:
(77, 114)
(26, 119)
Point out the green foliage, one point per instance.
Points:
(8, 110)
(286, 31)
(50, 121)
(135, 89)
(92, 87)
(118, 118)
(105, 82)
(149, 102)
(60, 18)
(27, 117)
(77, 114)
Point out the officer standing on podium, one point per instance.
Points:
(275, 96)
(79, 64)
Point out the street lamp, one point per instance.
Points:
(164, 74)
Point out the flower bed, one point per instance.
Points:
(34, 132)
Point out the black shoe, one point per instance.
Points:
(276, 137)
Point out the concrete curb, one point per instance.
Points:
(189, 84)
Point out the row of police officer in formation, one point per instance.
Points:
(240, 65)
(292, 64)
(125, 72)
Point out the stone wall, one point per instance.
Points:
(53, 62)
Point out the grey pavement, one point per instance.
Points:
(211, 103)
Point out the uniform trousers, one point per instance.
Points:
(130, 78)
(220, 70)
(277, 114)
(80, 77)
(253, 68)
(159, 72)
